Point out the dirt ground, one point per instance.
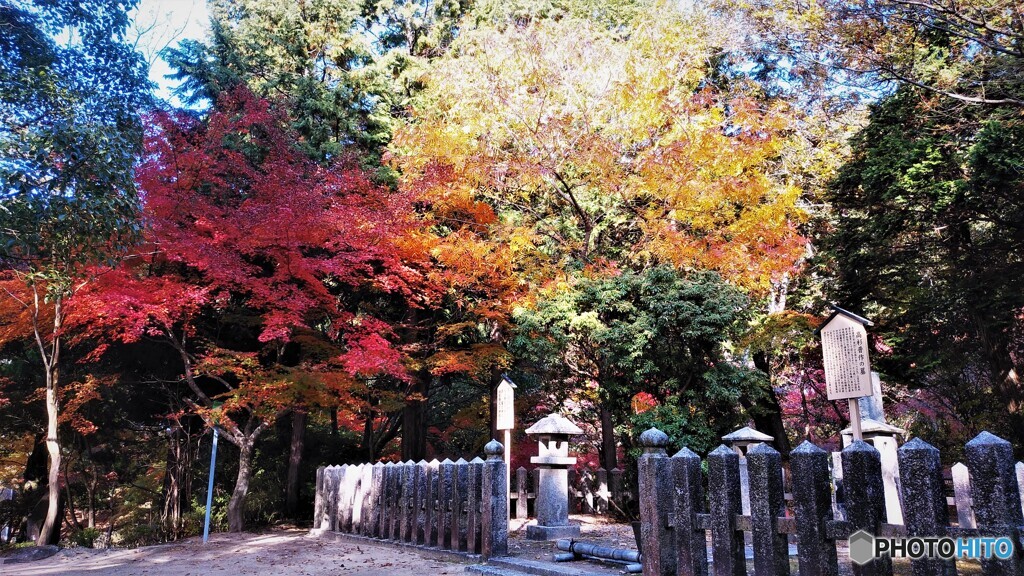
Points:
(290, 552)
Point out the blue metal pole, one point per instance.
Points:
(209, 488)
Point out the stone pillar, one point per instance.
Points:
(885, 438)
(494, 516)
(553, 461)
(865, 500)
(656, 505)
(812, 507)
(924, 493)
(724, 502)
(768, 503)
(996, 496)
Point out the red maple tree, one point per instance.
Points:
(252, 247)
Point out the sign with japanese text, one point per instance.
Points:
(844, 345)
(505, 412)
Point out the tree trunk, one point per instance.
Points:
(414, 421)
(173, 482)
(609, 451)
(50, 531)
(294, 460)
(368, 442)
(236, 505)
(767, 415)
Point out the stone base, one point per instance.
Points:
(537, 532)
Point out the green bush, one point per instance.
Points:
(86, 537)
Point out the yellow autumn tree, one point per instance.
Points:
(562, 145)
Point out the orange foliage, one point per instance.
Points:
(547, 146)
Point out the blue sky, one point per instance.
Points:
(159, 23)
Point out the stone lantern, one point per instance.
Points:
(553, 461)
(741, 440)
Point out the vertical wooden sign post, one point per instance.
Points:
(844, 345)
(505, 420)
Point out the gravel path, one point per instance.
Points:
(290, 552)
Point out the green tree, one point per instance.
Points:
(927, 238)
(658, 333)
(345, 68)
(70, 92)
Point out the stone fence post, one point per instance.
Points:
(924, 499)
(812, 507)
(767, 504)
(865, 499)
(996, 495)
(656, 503)
(494, 516)
(725, 503)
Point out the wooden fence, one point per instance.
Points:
(458, 506)
(677, 517)
(590, 491)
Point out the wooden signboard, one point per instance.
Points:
(844, 344)
(505, 413)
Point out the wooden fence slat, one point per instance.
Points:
(388, 501)
(332, 497)
(420, 510)
(433, 507)
(409, 489)
(603, 494)
(522, 495)
(460, 510)
(962, 495)
(476, 470)
(1019, 469)
(446, 481)
(318, 499)
(347, 496)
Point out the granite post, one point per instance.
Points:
(494, 516)
(656, 502)
(865, 499)
(725, 503)
(997, 506)
(812, 507)
(690, 538)
(767, 504)
(924, 496)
